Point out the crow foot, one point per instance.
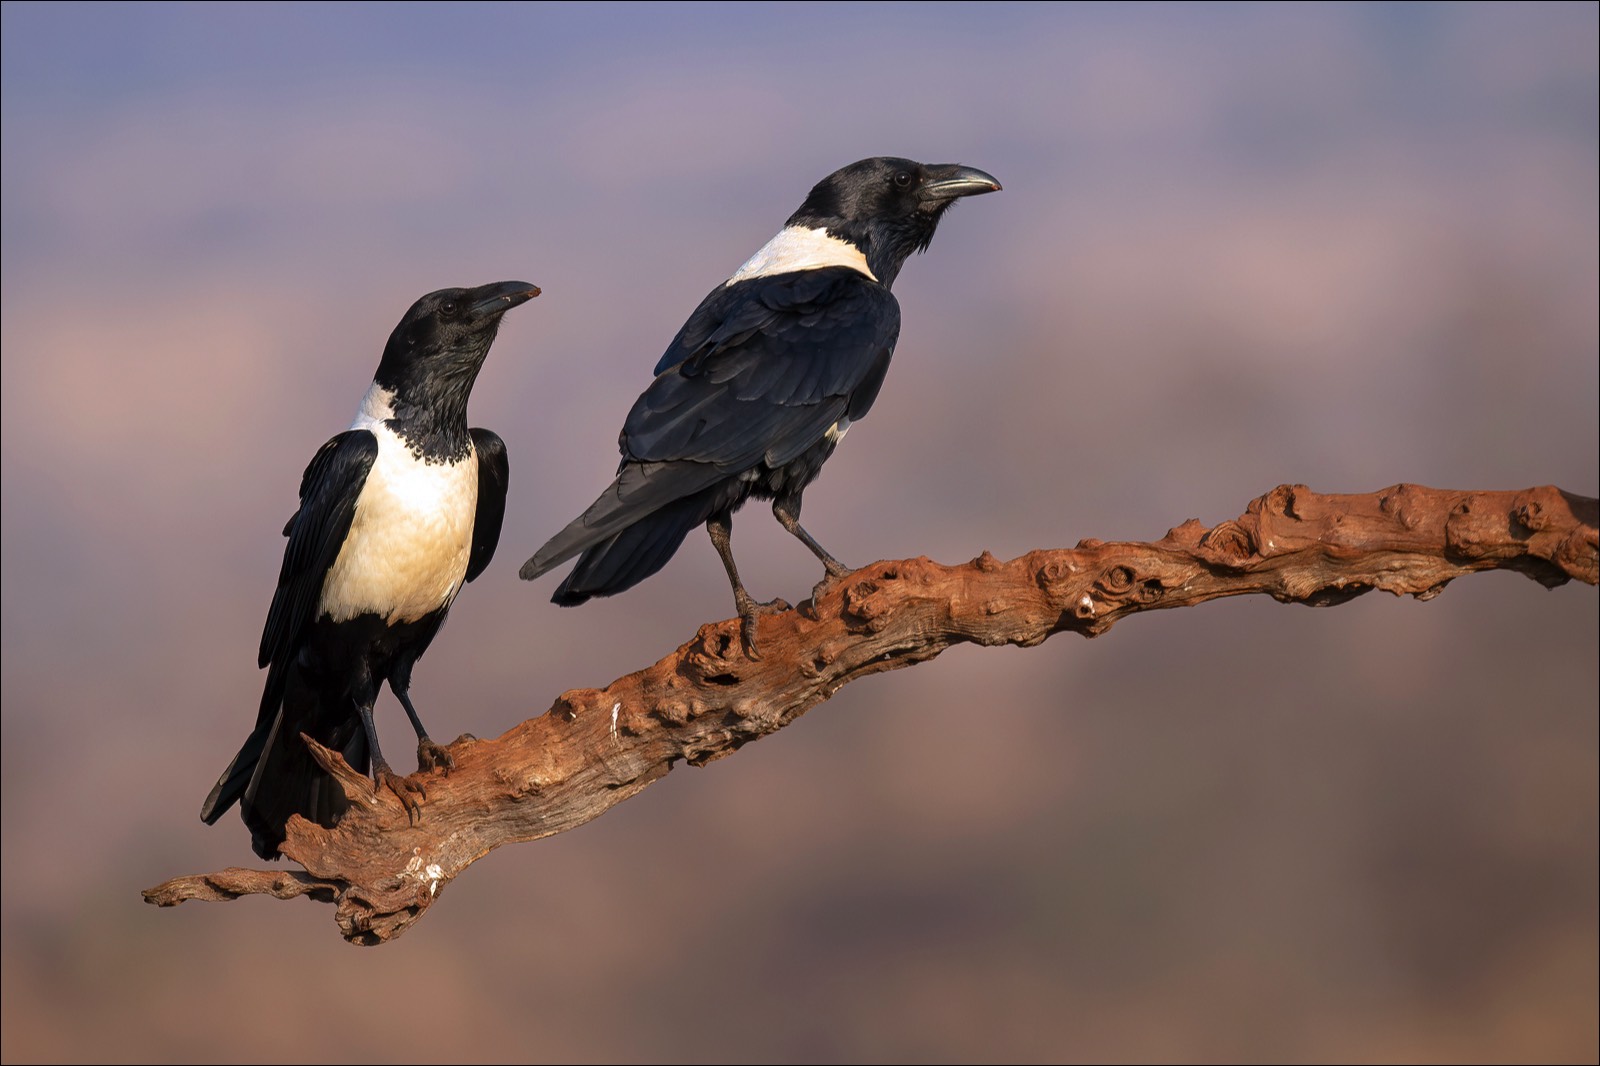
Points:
(431, 756)
(836, 573)
(410, 791)
(749, 611)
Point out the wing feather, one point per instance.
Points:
(764, 367)
(494, 477)
(328, 493)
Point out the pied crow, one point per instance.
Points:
(395, 514)
(762, 382)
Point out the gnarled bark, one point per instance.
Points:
(597, 747)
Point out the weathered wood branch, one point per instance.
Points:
(597, 747)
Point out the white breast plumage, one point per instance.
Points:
(409, 544)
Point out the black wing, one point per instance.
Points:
(494, 476)
(328, 494)
(759, 372)
(763, 368)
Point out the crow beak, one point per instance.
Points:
(946, 181)
(502, 296)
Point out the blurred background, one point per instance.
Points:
(1238, 245)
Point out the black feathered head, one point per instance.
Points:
(434, 354)
(889, 207)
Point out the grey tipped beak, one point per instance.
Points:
(502, 296)
(950, 180)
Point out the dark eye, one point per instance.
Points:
(902, 180)
(448, 309)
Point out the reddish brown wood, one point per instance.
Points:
(597, 747)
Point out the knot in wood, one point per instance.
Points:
(673, 712)
(1578, 554)
(1281, 501)
(864, 604)
(1229, 543)
(1055, 571)
(822, 657)
(1117, 582)
(1529, 513)
(1471, 532)
(1149, 591)
(716, 655)
(1408, 504)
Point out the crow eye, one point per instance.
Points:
(902, 180)
(448, 309)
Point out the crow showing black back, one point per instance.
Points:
(763, 380)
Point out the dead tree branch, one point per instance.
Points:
(597, 747)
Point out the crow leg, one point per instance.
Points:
(408, 790)
(786, 509)
(430, 756)
(720, 527)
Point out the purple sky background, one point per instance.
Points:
(1240, 245)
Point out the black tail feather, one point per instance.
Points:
(627, 557)
(641, 492)
(274, 775)
(235, 779)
